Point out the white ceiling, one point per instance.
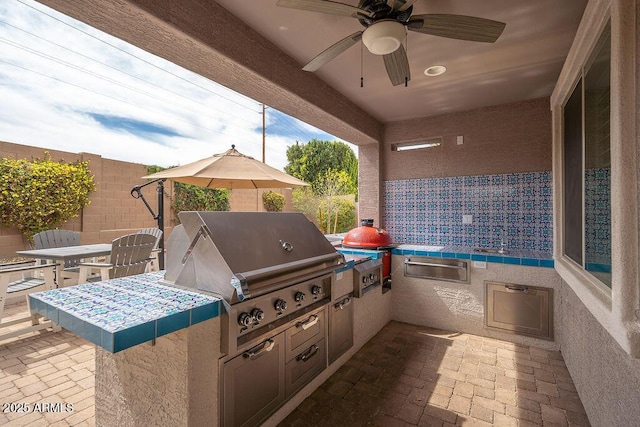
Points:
(523, 64)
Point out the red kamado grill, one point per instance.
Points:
(369, 237)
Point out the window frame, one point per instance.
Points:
(580, 82)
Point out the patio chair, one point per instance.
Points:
(130, 255)
(21, 280)
(157, 233)
(59, 239)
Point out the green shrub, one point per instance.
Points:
(41, 194)
(187, 197)
(272, 201)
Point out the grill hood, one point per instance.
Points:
(239, 255)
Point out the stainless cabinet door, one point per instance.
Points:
(254, 383)
(340, 327)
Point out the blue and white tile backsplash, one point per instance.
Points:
(598, 216)
(514, 207)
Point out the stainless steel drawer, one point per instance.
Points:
(305, 366)
(304, 333)
(448, 269)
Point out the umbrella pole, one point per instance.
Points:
(136, 193)
(160, 218)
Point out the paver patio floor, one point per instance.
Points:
(405, 376)
(44, 368)
(416, 376)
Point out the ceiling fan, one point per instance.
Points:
(386, 23)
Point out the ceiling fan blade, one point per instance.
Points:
(397, 66)
(459, 27)
(402, 5)
(333, 51)
(325, 6)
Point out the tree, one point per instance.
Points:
(332, 184)
(332, 170)
(344, 214)
(311, 161)
(42, 194)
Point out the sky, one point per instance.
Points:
(67, 86)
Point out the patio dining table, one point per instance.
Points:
(60, 255)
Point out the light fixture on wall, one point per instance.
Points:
(416, 145)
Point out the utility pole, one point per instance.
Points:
(263, 132)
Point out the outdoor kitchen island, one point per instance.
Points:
(205, 363)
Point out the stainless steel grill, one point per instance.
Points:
(274, 272)
(241, 255)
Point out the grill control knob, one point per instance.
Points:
(244, 319)
(315, 290)
(257, 314)
(280, 305)
(372, 277)
(365, 279)
(299, 297)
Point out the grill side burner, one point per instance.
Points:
(366, 276)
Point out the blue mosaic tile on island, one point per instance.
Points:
(124, 312)
(374, 254)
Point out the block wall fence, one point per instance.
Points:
(112, 211)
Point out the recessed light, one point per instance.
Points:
(435, 70)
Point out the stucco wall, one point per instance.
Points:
(506, 138)
(166, 384)
(607, 379)
(600, 329)
(461, 306)
(112, 212)
(369, 183)
(616, 309)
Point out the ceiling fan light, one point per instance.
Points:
(384, 37)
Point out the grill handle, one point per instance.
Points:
(342, 304)
(259, 350)
(308, 354)
(312, 320)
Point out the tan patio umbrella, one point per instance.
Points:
(231, 170)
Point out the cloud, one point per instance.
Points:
(67, 86)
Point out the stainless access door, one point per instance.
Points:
(340, 327)
(254, 383)
(520, 309)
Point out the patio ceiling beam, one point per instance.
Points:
(206, 39)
